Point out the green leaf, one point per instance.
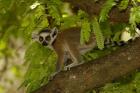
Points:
(85, 26)
(85, 32)
(134, 18)
(123, 4)
(42, 65)
(36, 20)
(82, 15)
(70, 21)
(98, 34)
(54, 7)
(105, 10)
(128, 84)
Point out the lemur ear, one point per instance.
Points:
(54, 33)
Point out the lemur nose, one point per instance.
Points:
(44, 43)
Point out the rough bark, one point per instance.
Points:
(96, 73)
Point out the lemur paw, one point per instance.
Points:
(66, 68)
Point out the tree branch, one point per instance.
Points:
(94, 8)
(96, 73)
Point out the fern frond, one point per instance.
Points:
(85, 27)
(105, 10)
(85, 31)
(98, 33)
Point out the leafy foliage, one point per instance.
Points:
(13, 14)
(68, 18)
(105, 10)
(98, 34)
(35, 20)
(134, 17)
(85, 32)
(94, 54)
(123, 4)
(54, 9)
(85, 27)
(129, 84)
(69, 21)
(42, 65)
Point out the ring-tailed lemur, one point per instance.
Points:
(66, 44)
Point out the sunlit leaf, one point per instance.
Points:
(123, 4)
(98, 34)
(42, 65)
(105, 10)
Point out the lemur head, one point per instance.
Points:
(46, 37)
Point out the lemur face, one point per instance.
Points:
(46, 37)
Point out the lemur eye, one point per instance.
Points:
(40, 38)
(48, 38)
